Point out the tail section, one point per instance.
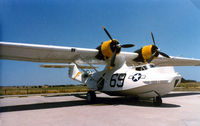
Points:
(74, 73)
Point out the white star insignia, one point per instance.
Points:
(136, 77)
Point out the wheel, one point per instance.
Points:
(91, 97)
(157, 101)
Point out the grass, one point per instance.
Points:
(22, 90)
(189, 86)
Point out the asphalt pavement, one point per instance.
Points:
(178, 109)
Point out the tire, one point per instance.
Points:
(157, 101)
(91, 97)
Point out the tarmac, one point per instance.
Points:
(178, 109)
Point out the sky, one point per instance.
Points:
(78, 23)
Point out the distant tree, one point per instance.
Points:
(83, 84)
(183, 80)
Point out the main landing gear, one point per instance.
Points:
(91, 97)
(157, 101)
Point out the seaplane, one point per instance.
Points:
(144, 73)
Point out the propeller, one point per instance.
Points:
(156, 51)
(153, 38)
(107, 32)
(115, 47)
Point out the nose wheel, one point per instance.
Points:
(157, 101)
(91, 97)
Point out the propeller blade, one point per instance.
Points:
(151, 58)
(163, 54)
(127, 45)
(107, 32)
(153, 38)
(112, 63)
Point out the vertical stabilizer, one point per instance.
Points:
(74, 73)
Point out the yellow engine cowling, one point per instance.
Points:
(106, 49)
(145, 53)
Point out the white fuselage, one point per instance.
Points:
(142, 81)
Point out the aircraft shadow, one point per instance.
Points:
(101, 101)
(131, 102)
(42, 106)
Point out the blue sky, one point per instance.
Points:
(78, 23)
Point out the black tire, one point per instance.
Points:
(157, 101)
(91, 97)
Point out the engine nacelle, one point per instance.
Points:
(145, 53)
(106, 49)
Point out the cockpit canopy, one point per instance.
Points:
(144, 67)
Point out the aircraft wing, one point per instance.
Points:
(61, 54)
(46, 53)
(52, 54)
(176, 61)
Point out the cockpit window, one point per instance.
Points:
(141, 68)
(144, 67)
(138, 68)
(152, 65)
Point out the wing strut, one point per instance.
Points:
(89, 64)
(100, 80)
